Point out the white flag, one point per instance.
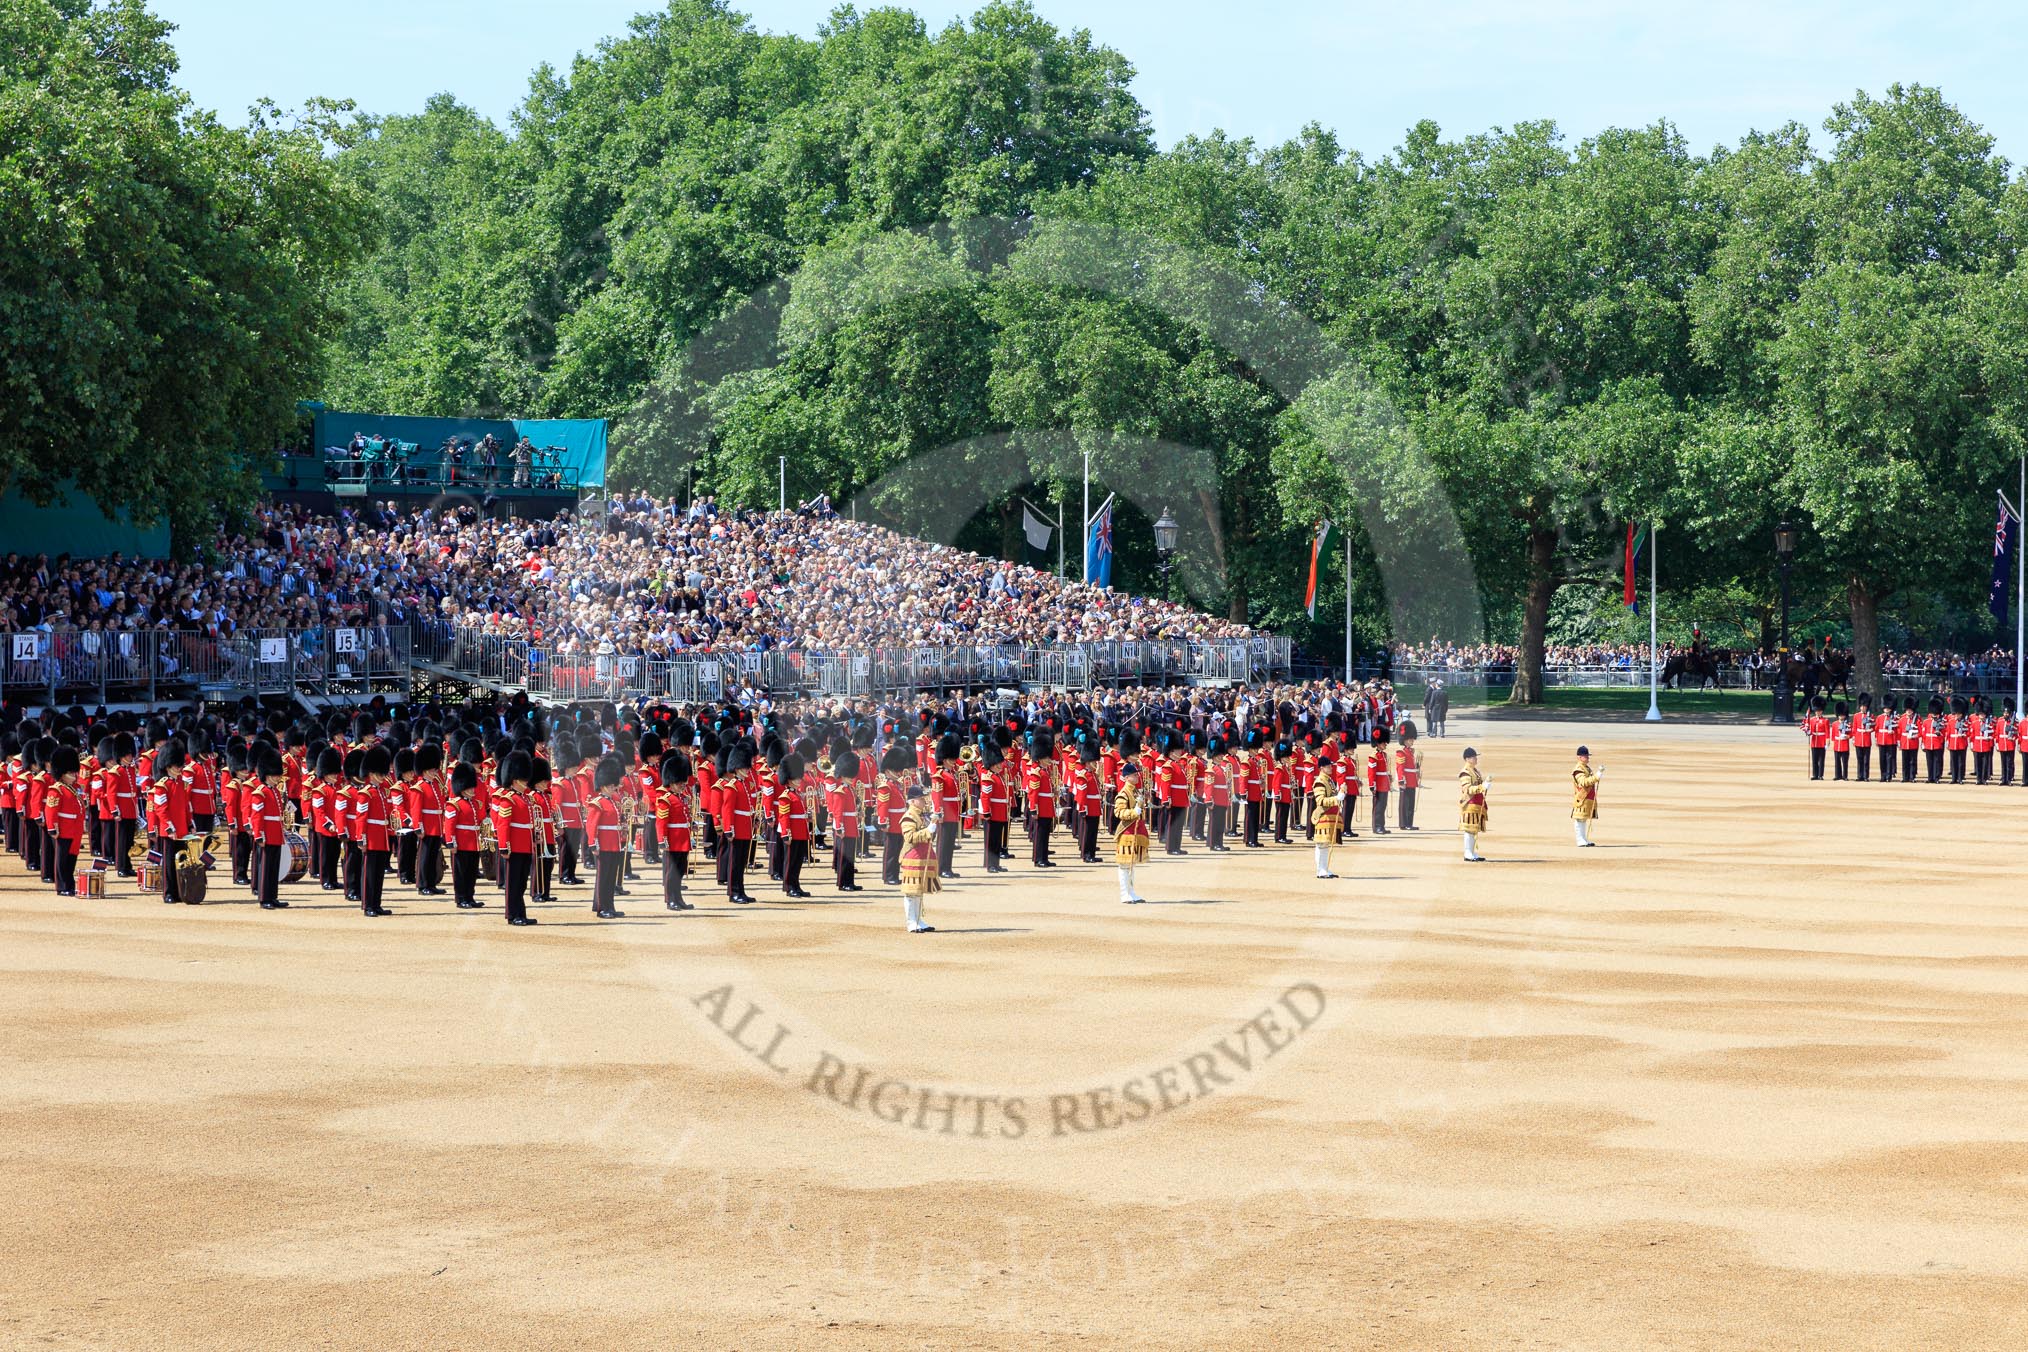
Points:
(1036, 529)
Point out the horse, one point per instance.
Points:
(1692, 662)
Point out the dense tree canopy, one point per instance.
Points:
(935, 272)
(165, 281)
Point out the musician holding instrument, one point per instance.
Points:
(842, 798)
(262, 807)
(1130, 829)
(426, 806)
(673, 815)
(168, 815)
(67, 817)
(517, 833)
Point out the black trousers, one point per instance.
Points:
(32, 855)
(66, 867)
(1038, 839)
(675, 863)
(267, 872)
(1841, 765)
(1404, 806)
(1816, 762)
(330, 850)
(606, 882)
(1888, 761)
(2006, 767)
(844, 859)
(567, 855)
(1282, 806)
(372, 877)
(429, 865)
(10, 824)
(737, 854)
(405, 856)
(242, 850)
(1087, 838)
(1379, 797)
(517, 884)
(794, 852)
(1982, 766)
(354, 880)
(123, 845)
(1250, 824)
(947, 847)
(890, 859)
(1172, 831)
(48, 854)
(1933, 765)
(1200, 813)
(1214, 827)
(1864, 759)
(995, 834)
(1957, 765)
(464, 874)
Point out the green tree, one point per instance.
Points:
(166, 290)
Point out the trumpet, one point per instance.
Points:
(486, 841)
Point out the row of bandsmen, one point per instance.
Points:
(1964, 741)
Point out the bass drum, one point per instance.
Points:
(295, 856)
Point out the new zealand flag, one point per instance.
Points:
(2005, 531)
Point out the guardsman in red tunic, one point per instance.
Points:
(841, 798)
(67, 817)
(261, 803)
(1817, 729)
(1218, 796)
(169, 814)
(2005, 738)
(890, 805)
(1841, 742)
(1982, 737)
(376, 828)
(949, 803)
(1251, 787)
(426, 809)
(1088, 794)
(1933, 742)
(673, 814)
(1908, 734)
(1862, 737)
(1041, 789)
(996, 796)
(1957, 737)
(792, 823)
(517, 833)
(1379, 778)
(570, 806)
(739, 796)
(462, 826)
(1407, 775)
(604, 818)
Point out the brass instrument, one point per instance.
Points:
(486, 841)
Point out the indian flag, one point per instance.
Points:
(1320, 548)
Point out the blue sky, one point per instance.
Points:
(1717, 69)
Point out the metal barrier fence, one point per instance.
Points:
(90, 666)
(1730, 677)
(572, 674)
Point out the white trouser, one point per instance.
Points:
(1583, 829)
(1471, 845)
(914, 905)
(1127, 892)
(1323, 860)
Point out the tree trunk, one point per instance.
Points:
(1866, 675)
(1543, 581)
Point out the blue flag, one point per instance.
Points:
(1098, 548)
(2004, 532)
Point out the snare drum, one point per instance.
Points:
(295, 856)
(92, 883)
(148, 876)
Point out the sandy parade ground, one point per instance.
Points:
(1754, 1074)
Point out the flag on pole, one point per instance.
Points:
(1637, 544)
(2004, 532)
(1098, 547)
(1037, 531)
(1320, 549)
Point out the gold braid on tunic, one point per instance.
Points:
(1327, 815)
(1130, 837)
(1472, 808)
(918, 854)
(1584, 793)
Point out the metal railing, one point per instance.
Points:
(86, 666)
(571, 674)
(1731, 676)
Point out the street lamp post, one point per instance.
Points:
(1166, 531)
(1784, 693)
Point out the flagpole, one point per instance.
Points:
(2020, 587)
(1059, 537)
(1654, 649)
(1348, 607)
(1087, 515)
